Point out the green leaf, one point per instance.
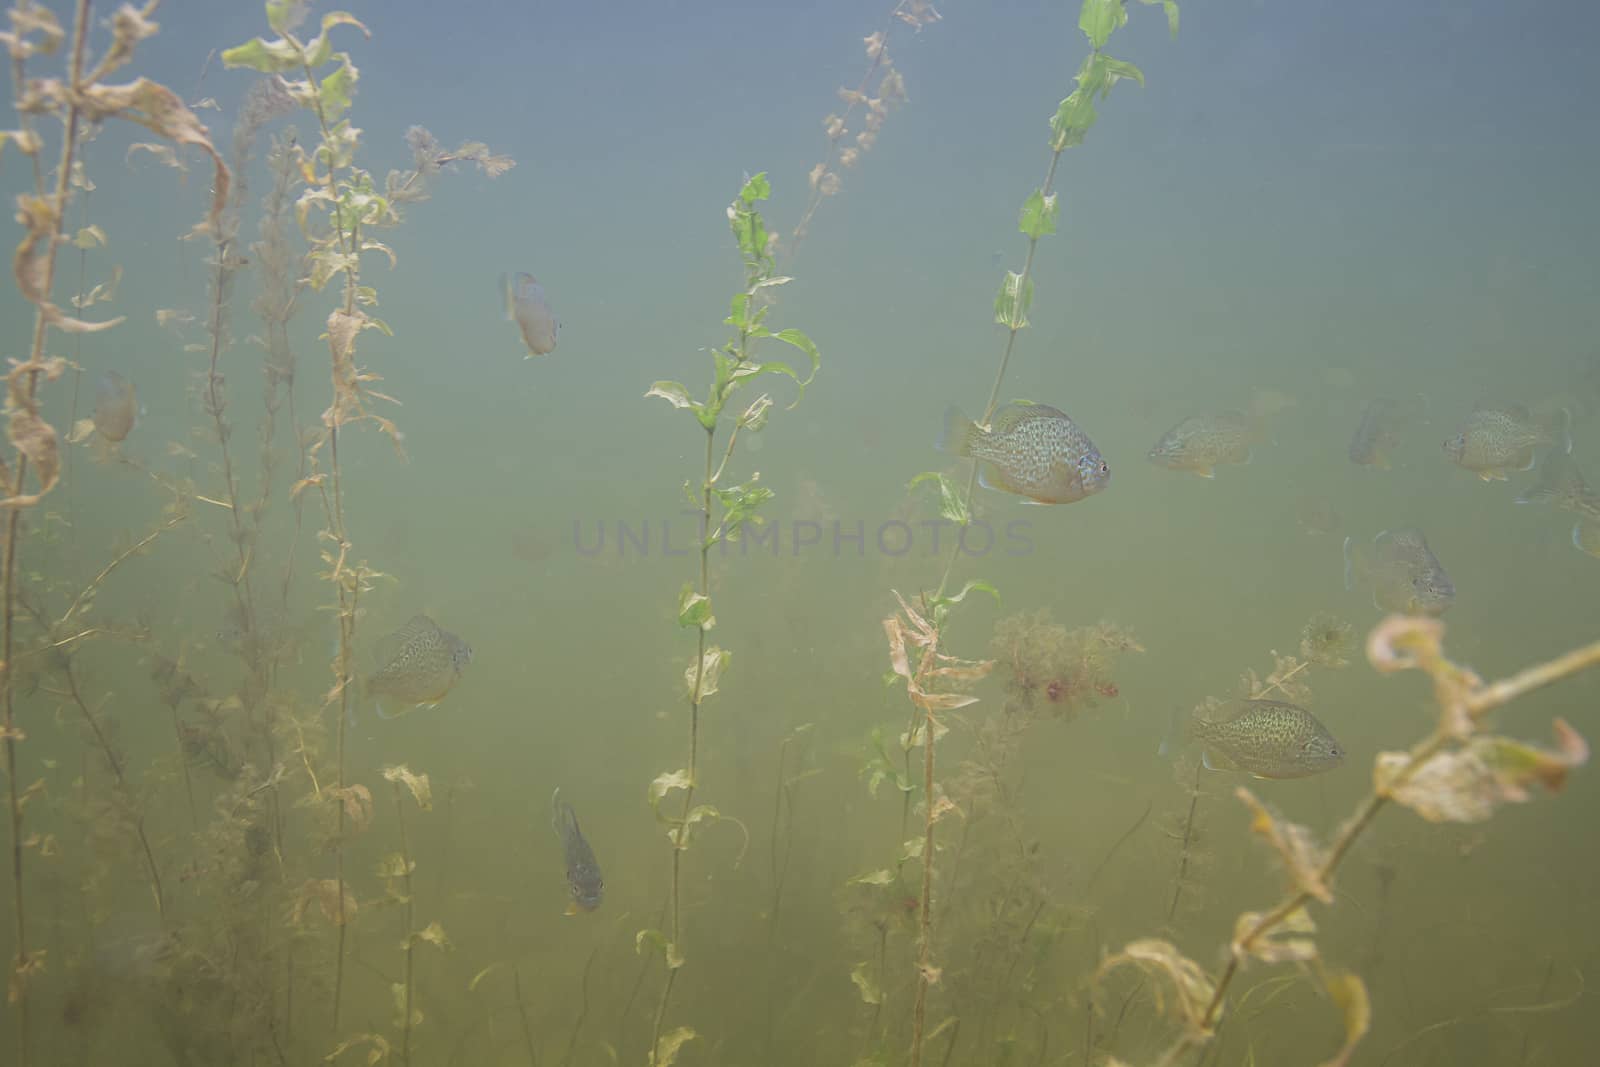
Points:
(1072, 119)
(794, 337)
(951, 506)
(941, 605)
(278, 12)
(1115, 70)
(1099, 19)
(320, 50)
(739, 504)
(337, 88)
(658, 940)
(666, 1050)
(694, 609)
(870, 993)
(756, 188)
(874, 878)
(738, 314)
(713, 663)
(674, 393)
(268, 57)
(754, 417)
(665, 783)
(1039, 214)
(1171, 8)
(1012, 302)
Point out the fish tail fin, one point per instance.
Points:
(959, 433)
(1564, 435)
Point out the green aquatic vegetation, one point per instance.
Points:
(724, 510)
(1055, 671)
(338, 209)
(84, 97)
(914, 656)
(1458, 773)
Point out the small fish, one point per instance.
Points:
(527, 307)
(1379, 431)
(116, 407)
(1265, 739)
(418, 664)
(584, 882)
(1404, 573)
(1200, 443)
(1032, 450)
(1494, 441)
(1316, 515)
(1563, 485)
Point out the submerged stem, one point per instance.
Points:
(22, 960)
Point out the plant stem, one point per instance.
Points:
(1475, 704)
(925, 973)
(348, 590)
(1188, 831)
(522, 1013)
(680, 837)
(410, 927)
(22, 961)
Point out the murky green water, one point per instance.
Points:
(1299, 212)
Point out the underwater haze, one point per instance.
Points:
(860, 534)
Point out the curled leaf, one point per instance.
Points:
(666, 1050)
(1190, 986)
(1467, 784)
(417, 783)
(865, 983)
(1349, 994)
(1301, 857)
(1271, 945)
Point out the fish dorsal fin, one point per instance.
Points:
(1008, 416)
(389, 647)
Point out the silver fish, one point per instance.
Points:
(1032, 450)
(527, 307)
(584, 881)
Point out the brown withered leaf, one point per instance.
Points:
(36, 439)
(162, 111)
(357, 801)
(1468, 783)
(1294, 845)
(325, 893)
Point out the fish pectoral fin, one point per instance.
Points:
(572, 908)
(1205, 472)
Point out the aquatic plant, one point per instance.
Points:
(724, 510)
(81, 99)
(1073, 118)
(880, 90)
(1458, 773)
(350, 206)
(908, 630)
